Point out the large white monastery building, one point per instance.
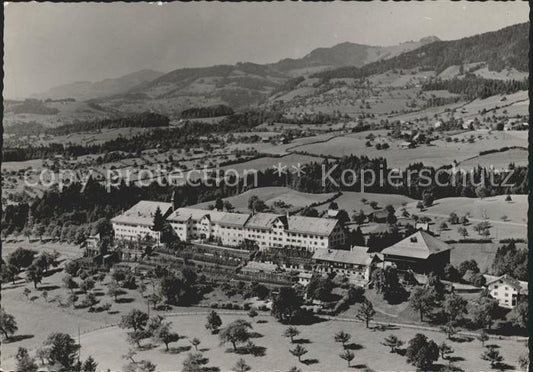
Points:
(137, 222)
(267, 230)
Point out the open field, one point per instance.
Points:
(437, 154)
(67, 251)
(270, 195)
(491, 209)
(499, 160)
(482, 253)
(68, 113)
(352, 201)
(107, 346)
(269, 148)
(264, 163)
(473, 108)
(107, 343)
(21, 165)
(95, 138)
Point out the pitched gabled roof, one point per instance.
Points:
(234, 219)
(382, 213)
(296, 224)
(516, 284)
(418, 245)
(355, 257)
(262, 220)
(222, 218)
(184, 214)
(142, 213)
(311, 225)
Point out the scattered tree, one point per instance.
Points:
(252, 313)
(298, 352)
(135, 319)
(445, 351)
(153, 299)
(194, 362)
(393, 342)
(454, 306)
(287, 304)
(462, 231)
(8, 324)
(69, 283)
(34, 274)
(163, 334)
(291, 332)
(113, 290)
(523, 362)
(449, 330)
(492, 355)
(213, 322)
(241, 366)
(87, 285)
(342, 337)
(422, 352)
(484, 311)
(62, 349)
(89, 365)
(135, 337)
(42, 354)
(421, 300)
(482, 337)
(195, 342)
(25, 363)
(235, 332)
(348, 356)
(21, 258)
(366, 312)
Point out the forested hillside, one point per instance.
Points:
(206, 112)
(472, 87)
(508, 47)
(143, 120)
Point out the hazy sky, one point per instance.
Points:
(48, 44)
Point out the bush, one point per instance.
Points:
(214, 305)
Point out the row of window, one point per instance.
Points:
(299, 235)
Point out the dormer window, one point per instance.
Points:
(413, 239)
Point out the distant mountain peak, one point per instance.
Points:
(429, 39)
(88, 90)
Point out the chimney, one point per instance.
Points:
(174, 201)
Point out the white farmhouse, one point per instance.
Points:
(506, 290)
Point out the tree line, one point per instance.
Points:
(472, 86)
(185, 136)
(142, 120)
(206, 112)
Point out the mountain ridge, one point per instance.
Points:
(85, 90)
